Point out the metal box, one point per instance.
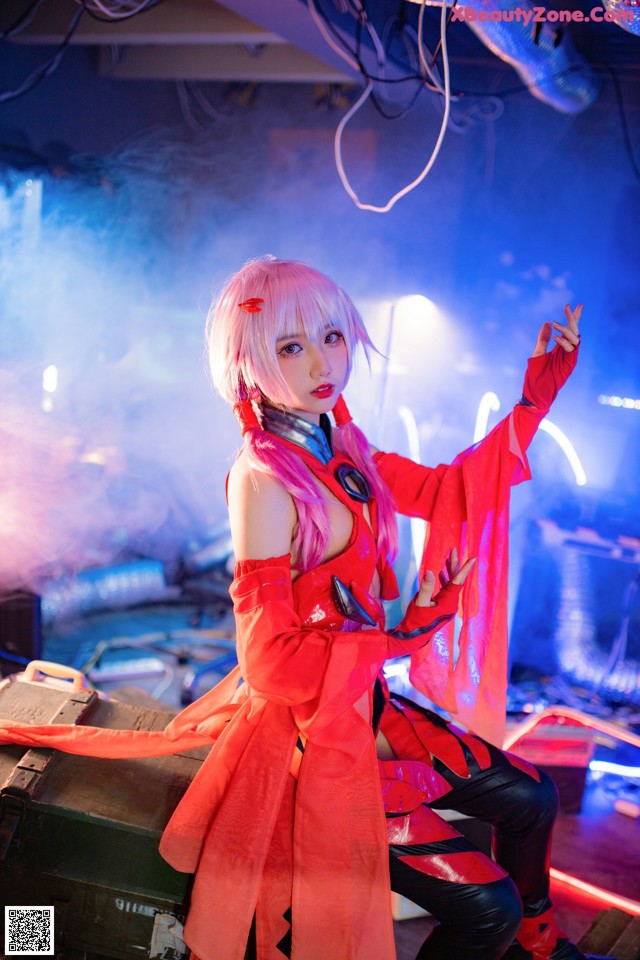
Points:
(81, 834)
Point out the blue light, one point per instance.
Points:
(628, 403)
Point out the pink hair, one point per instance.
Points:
(244, 365)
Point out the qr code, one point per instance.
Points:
(28, 931)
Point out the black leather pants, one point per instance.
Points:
(478, 920)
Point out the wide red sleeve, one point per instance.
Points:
(280, 658)
(546, 374)
(413, 486)
(469, 508)
(416, 488)
(319, 673)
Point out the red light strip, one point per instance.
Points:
(604, 726)
(630, 906)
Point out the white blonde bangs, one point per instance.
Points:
(297, 299)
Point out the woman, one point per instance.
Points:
(312, 519)
(320, 784)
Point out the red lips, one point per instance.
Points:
(323, 391)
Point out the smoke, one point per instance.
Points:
(120, 451)
(114, 445)
(107, 275)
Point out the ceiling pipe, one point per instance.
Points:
(541, 52)
(626, 14)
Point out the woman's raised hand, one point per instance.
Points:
(567, 334)
(452, 573)
(418, 626)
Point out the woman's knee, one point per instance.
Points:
(528, 805)
(480, 923)
(484, 896)
(540, 800)
(497, 913)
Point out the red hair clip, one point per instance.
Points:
(246, 414)
(341, 412)
(252, 305)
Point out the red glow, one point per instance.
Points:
(629, 906)
(560, 714)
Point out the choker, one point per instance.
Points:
(317, 441)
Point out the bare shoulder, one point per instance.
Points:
(262, 514)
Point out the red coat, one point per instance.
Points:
(257, 839)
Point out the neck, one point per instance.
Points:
(315, 439)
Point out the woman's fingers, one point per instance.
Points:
(425, 593)
(568, 336)
(451, 568)
(454, 572)
(458, 575)
(543, 340)
(464, 571)
(573, 316)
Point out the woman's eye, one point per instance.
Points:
(333, 337)
(290, 349)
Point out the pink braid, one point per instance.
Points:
(312, 533)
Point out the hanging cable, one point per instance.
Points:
(381, 54)
(373, 33)
(207, 108)
(317, 19)
(437, 49)
(50, 65)
(23, 21)
(423, 80)
(359, 103)
(352, 56)
(120, 10)
(430, 76)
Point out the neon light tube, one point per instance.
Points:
(604, 726)
(630, 906)
(567, 448)
(488, 402)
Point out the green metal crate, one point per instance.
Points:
(81, 834)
